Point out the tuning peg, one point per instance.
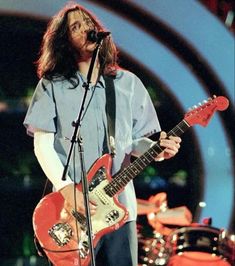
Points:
(214, 96)
(205, 101)
(195, 107)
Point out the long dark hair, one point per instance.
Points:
(57, 56)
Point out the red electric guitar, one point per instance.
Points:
(63, 234)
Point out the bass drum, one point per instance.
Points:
(200, 246)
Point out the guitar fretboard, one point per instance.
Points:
(121, 179)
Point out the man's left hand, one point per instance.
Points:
(171, 145)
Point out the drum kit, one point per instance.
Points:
(176, 241)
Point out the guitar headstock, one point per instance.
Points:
(201, 115)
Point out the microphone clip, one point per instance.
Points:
(94, 36)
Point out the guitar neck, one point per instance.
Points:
(121, 179)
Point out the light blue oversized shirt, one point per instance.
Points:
(54, 106)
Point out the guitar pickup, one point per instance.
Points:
(112, 216)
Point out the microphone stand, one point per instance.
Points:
(77, 138)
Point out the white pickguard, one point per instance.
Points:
(108, 213)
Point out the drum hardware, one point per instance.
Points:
(201, 244)
(154, 251)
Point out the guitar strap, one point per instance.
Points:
(110, 108)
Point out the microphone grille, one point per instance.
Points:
(92, 36)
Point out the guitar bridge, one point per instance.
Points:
(61, 233)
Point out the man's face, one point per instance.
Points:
(79, 24)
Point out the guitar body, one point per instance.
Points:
(55, 227)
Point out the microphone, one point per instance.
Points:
(94, 36)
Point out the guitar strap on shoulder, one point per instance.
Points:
(110, 108)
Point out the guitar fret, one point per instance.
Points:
(144, 159)
(126, 177)
(116, 185)
(157, 148)
(113, 187)
(149, 159)
(111, 191)
(118, 177)
(151, 155)
(138, 163)
(121, 181)
(134, 169)
(176, 132)
(180, 129)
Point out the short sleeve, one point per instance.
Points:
(145, 120)
(41, 112)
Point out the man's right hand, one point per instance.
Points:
(68, 193)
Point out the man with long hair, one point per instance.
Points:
(63, 65)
